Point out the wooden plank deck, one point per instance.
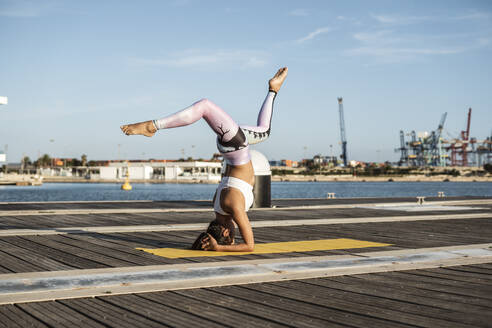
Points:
(394, 299)
(90, 251)
(46, 206)
(453, 296)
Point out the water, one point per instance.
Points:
(107, 191)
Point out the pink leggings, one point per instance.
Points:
(232, 139)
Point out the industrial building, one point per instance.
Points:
(431, 149)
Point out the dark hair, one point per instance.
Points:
(215, 230)
(197, 245)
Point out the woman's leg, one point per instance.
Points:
(260, 132)
(228, 132)
(222, 124)
(230, 137)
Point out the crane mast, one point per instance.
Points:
(465, 135)
(342, 131)
(442, 158)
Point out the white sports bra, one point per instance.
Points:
(245, 188)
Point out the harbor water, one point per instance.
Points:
(157, 192)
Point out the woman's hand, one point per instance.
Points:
(209, 243)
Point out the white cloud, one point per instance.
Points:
(472, 15)
(380, 37)
(348, 20)
(386, 46)
(207, 59)
(483, 41)
(394, 42)
(396, 19)
(314, 34)
(406, 20)
(402, 52)
(384, 19)
(299, 12)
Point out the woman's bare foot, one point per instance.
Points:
(276, 82)
(146, 128)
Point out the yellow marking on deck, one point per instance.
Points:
(271, 248)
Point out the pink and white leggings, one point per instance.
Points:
(232, 140)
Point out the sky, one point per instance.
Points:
(74, 71)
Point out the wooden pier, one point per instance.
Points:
(368, 262)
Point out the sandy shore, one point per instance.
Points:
(405, 178)
(295, 177)
(121, 181)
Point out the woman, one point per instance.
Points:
(234, 195)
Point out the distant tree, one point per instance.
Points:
(309, 163)
(83, 159)
(43, 161)
(92, 163)
(76, 162)
(488, 167)
(26, 160)
(454, 172)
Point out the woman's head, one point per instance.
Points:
(223, 233)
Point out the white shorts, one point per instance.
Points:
(230, 182)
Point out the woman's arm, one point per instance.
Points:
(232, 201)
(242, 221)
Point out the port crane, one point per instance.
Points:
(342, 131)
(459, 146)
(425, 149)
(436, 154)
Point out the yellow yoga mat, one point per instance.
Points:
(271, 248)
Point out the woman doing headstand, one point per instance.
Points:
(234, 195)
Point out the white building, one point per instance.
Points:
(170, 171)
(120, 172)
(110, 173)
(167, 171)
(56, 171)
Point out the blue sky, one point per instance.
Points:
(74, 71)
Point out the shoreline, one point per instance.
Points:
(288, 178)
(386, 178)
